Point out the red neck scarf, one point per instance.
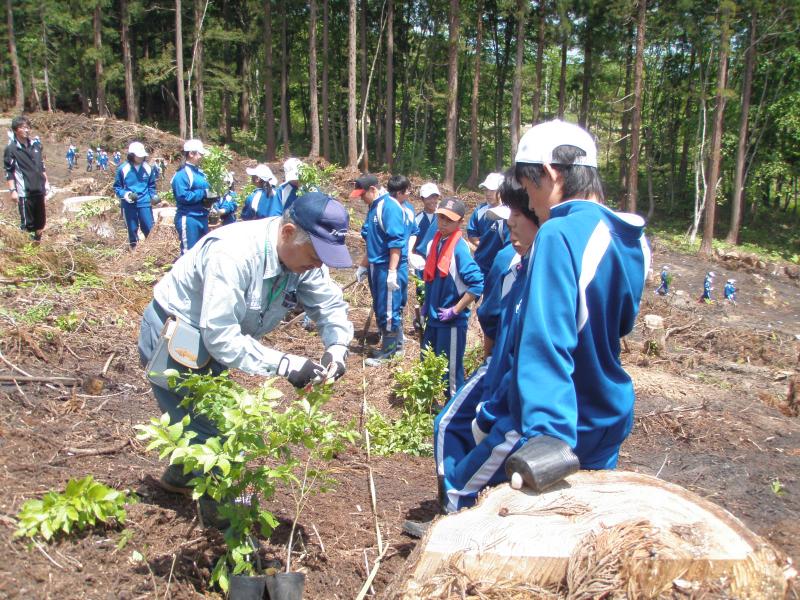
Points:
(440, 261)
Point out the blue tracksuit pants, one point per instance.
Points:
(137, 217)
(452, 342)
(388, 305)
(190, 230)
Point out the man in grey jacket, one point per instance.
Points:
(236, 284)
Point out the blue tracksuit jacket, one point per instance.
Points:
(229, 204)
(493, 236)
(489, 310)
(443, 292)
(424, 221)
(141, 180)
(189, 185)
(259, 205)
(287, 193)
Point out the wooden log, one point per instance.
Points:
(599, 532)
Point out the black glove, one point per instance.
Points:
(300, 371)
(131, 197)
(540, 463)
(335, 362)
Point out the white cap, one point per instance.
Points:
(137, 149)
(291, 169)
(501, 212)
(194, 146)
(712, 274)
(263, 172)
(493, 181)
(429, 189)
(731, 281)
(228, 179)
(538, 143)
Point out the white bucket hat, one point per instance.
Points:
(263, 172)
(291, 169)
(137, 149)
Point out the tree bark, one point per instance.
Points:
(269, 109)
(389, 129)
(476, 84)
(516, 94)
(537, 92)
(19, 101)
(312, 79)
(284, 81)
(583, 115)
(127, 60)
(452, 97)
(626, 114)
(352, 131)
(683, 167)
(562, 80)
(179, 69)
(244, 100)
(741, 150)
(362, 51)
(636, 116)
(326, 129)
(199, 60)
(98, 62)
(46, 67)
(725, 16)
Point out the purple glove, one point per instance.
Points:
(447, 314)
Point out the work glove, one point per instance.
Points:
(391, 280)
(335, 362)
(447, 314)
(213, 216)
(130, 197)
(361, 274)
(211, 197)
(222, 212)
(300, 371)
(416, 261)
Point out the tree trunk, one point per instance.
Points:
(352, 131)
(452, 97)
(19, 102)
(362, 50)
(179, 69)
(46, 67)
(562, 81)
(716, 134)
(626, 114)
(516, 94)
(127, 63)
(284, 81)
(583, 115)
(389, 133)
(199, 66)
(636, 116)
(683, 167)
(244, 101)
(269, 117)
(312, 79)
(98, 62)
(537, 92)
(741, 150)
(326, 129)
(476, 84)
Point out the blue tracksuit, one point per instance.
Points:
(70, 157)
(581, 295)
(189, 187)
(453, 437)
(287, 193)
(493, 236)
(424, 222)
(117, 158)
(228, 203)
(412, 230)
(89, 159)
(141, 181)
(663, 289)
(730, 292)
(384, 229)
(489, 310)
(259, 205)
(450, 337)
(707, 288)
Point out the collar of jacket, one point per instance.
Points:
(272, 264)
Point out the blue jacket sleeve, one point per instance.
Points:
(184, 193)
(119, 183)
(489, 310)
(473, 227)
(394, 224)
(469, 270)
(151, 182)
(547, 338)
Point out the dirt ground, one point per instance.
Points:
(712, 415)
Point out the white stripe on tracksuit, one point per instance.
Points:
(453, 359)
(184, 236)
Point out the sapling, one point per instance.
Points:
(253, 454)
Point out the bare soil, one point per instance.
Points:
(712, 415)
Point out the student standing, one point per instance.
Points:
(487, 235)
(135, 186)
(193, 196)
(26, 178)
(264, 201)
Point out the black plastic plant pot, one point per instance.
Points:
(245, 587)
(286, 586)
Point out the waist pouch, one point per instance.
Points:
(181, 348)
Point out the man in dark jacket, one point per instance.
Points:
(26, 177)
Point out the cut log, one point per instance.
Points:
(598, 534)
(75, 203)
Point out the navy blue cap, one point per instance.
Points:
(327, 222)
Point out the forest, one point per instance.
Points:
(695, 105)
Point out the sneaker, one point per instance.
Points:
(383, 358)
(174, 481)
(416, 529)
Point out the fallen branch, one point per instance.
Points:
(40, 379)
(108, 364)
(90, 451)
(674, 330)
(677, 409)
(372, 574)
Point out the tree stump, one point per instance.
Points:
(598, 534)
(655, 335)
